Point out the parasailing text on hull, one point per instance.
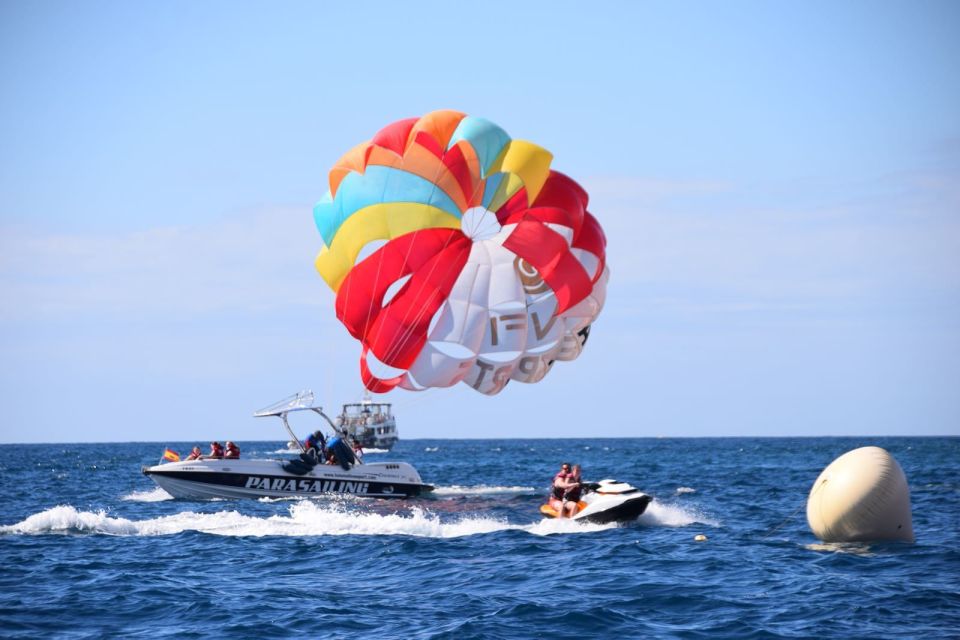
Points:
(306, 486)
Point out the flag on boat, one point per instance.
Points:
(172, 456)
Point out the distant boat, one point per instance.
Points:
(370, 424)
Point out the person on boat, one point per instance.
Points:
(195, 454)
(233, 451)
(216, 450)
(571, 495)
(316, 445)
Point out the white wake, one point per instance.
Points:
(661, 514)
(154, 495)
(304, 518)
(481, 490)
(308, 518)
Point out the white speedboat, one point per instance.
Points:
(305, 476)
(603, 502)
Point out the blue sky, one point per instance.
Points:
(779, 182)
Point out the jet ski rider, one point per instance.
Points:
(571, 496)
(559, 487)
(565, 492)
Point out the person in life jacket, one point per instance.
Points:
(340, 452)
(233, 451)
(559, 487)
(195, 454)
(571, 495)
(560, 481)
(216, 451)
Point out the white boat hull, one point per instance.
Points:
(206, 479)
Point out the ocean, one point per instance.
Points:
(90, 548)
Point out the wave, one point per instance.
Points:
(304, 518)
(661, 514)
(551, 526)
(155, 495)
(682, 490)
(481, 490)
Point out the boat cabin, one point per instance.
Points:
(372, 424)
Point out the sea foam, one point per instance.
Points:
(661, 514)
(154, 495)
(481, 490)
(304, 518)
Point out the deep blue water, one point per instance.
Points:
(90, 548)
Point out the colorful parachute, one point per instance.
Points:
(487, 266)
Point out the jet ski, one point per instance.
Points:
(603, 502)
(312, 474)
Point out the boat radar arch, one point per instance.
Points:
(300, 401)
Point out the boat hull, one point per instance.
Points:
(207, 479)
(384, 444)
(626, 511)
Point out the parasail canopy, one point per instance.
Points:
(458, 255)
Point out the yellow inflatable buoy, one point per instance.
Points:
(699, 538)
(862, 496)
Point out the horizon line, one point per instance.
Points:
(662, 437)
